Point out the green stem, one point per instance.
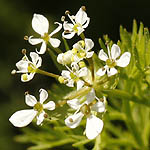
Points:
(90, 61)
(97, 145)
(82, 36)
(47, 73)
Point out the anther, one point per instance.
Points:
(26, 37)
(45, 115)
(24, 51)
(83, 8)
(70, 119)
(63, 18)
(67, 12)
(13, 72)
(26, 93)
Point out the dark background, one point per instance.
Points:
(15, 22)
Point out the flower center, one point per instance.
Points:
(75, 28)
(31, 68)
(74, 77)
(85, 109)
(111, 63)
(45, 37)
(38, 107)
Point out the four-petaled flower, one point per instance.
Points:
(112, 61)
(74, 75)
(79, 22)
(24, 117)
(81, 50)
(27, 67)
(40, 25)
(94, 125)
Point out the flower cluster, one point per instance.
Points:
(80, 73)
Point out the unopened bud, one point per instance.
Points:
(83, 8)
(82, 64)
(63, 18)
(13, 72)
(26, 37)
(67, 12)
(61, 79)
(24, 51)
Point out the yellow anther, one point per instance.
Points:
(82, 64)
(61, 79)
(24, 77)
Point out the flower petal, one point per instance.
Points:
(81, 16)
(22, 66)
(86, 23)
(74, 104)
(94, 127)
(40, 118)
(90, 96)
(89, 54)
(68, 26)
(101, 71)
(80, 30)
(30, 100)
(111, 71)
(98, 107)
(83, 72)
(115, 51)
(70, 83)
(23, 117)
(74, 120)
(68, 35)
(89, 44)
(34, 41)
(57, 29)
(36, 59)
(50, 105)
(65, 74)
(43, 48)
(124, 59)
(40, 24)
(43, 95)
(54, 42)
(80, 84)
(102, 55)
(27, 77)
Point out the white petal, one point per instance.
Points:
(81, 16)
(98, 107)
(43, 95)
(90, 96)
(70, 83)
(80, 30)
(101, 71)
(74, 103)
(60, 58)
(68, 35)
(57, 29)
(124, 59)
(68, 26)
(66, 74)
(102, 55)
(34, 41)
(50, 105)
(40, 24)
(22, 66)
(80, 84)
(23, 117)
(40, 118)
(111, 72)
(83, 72)
(54, 42)
(89, 54)
(74, 120)
(74, 66)
(30, 100)
(86, 23)
(42, 49)
(94, 127)
(28, 77)
(36, 59)
(115, 51)
(89, 44)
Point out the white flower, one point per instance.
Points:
(23, 117)
(94, 125)
(73, 75)
(27, 67)
(65, 58)
(40, 25)
(79, 22)
(81, 50)
(112, 61)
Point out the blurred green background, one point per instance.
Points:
(15, 23)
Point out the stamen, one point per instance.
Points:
(63, 18)
(26, 37)
(24, 51)
(13, 72)
(83, 8)
(67, 12)
(70, 119)
(45, 115)
(26, 93)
